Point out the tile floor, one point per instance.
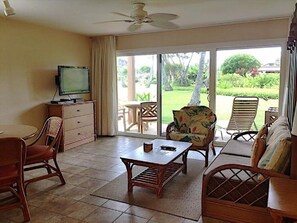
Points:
(87, 168)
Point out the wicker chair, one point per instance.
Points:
(13, 151)
(39, 154)
(195, 124)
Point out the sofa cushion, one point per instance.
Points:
(223, 159)
(181, 120)
(195, 139)
(237, 148)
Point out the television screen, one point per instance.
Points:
(73, 80)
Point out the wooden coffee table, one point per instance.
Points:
(160, 164)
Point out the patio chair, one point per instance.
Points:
(122, 116)
(243, 114)
(147, 113)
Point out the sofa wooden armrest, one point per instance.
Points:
(235, 185)
(246, 136)
(237, 193)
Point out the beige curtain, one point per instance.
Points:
(104, 90)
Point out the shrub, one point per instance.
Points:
(261, 93)
(228, 81)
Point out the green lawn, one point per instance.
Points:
(178, 98)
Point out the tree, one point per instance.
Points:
(240, 64)
(176, 67)
(195, 99)
(147, 75)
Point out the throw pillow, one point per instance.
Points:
(280, 133)
(281, 121)
(181, 120)
(263, 131)
(258, 149)
(280, 157)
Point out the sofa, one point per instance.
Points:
(235, 185)
(194, 124)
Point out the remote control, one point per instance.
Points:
(169, 148)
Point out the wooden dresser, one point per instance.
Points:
(78, 123)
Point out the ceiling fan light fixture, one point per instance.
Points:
(139, 14)
(8, 10)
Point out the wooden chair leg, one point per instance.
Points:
(23, 200)
(59, 173)
(213, 149)
(206, 158)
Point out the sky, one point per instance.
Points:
(264, 55)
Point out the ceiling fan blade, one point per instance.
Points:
(134, 27)
(119, 20)
(121, 14)
(164, 25)
(162, 16)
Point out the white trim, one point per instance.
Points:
(204, 47)
(213, 48)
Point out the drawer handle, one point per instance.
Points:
(78, 133)
(78, 122)
(78, 110)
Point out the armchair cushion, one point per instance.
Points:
(195, 139)
(181, 120)
(194, 119)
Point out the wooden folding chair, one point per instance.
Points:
(147, 113)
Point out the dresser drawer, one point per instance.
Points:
(78, 110)
(78, 134)
(78, 122)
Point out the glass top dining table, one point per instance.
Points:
(20, 131)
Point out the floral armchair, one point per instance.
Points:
(195, 124)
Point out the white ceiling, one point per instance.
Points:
(79, 16)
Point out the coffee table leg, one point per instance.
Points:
(160, 180)
(185, 155)
(129, 175)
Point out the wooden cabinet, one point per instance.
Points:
(78, 123)
(282, 199)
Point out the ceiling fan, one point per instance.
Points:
(139, 16)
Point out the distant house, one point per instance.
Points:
(269, 68)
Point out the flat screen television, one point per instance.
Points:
(73, 80)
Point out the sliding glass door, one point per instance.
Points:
(184, 81)
(242, 73)
(178, 79)
(137, 83)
